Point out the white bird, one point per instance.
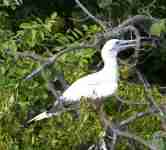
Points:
(95, 86)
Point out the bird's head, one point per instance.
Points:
(114, 46)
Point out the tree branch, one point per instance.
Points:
(52, 59)
(129, 102)
(99, 40)
(114, 140)
(136, 116)
(150, 98)
(134, 137)
(85, 10)
(138, 19)
(52, 90)
(31, 55)
(131, 22)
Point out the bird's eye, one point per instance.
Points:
(117, 42)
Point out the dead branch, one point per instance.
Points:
(52, 90)
(134, 137)
(114, 129)
(136, 116)
(149, 96)
(52, 59)
(85, 10)
(129, 102)
(31, 55)
(99, 40)
(138, 19)
(132, 21)
(117, 31)
(27, 54)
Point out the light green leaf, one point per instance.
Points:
(158, 28)
(26, 26)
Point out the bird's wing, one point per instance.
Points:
(92, 79)
(89, 81)
(84, 87)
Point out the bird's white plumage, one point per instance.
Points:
(97, 85)
(100, 84)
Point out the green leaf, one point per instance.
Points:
(158, 28)
(54, 15)
(26, 26)
(31, 38)
(78, 32)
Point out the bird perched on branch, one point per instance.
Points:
(96, 86)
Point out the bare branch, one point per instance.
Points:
(99, 40)
(129, 102)
(27, 54)
(90, 15)
(31, 55)
(52, 59)
(119, 30)
(52, 90)
(138, 19)
(134, 137)
(147, 9)
(131, 22)
(136, 116)
(150, 98)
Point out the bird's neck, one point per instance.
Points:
(110, 64)
(110, 68)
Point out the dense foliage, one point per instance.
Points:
(32, 31)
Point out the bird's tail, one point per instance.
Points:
(56, 110)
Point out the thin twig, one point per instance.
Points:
(146, 9)
(85, 10)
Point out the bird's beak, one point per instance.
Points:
(124, 44)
